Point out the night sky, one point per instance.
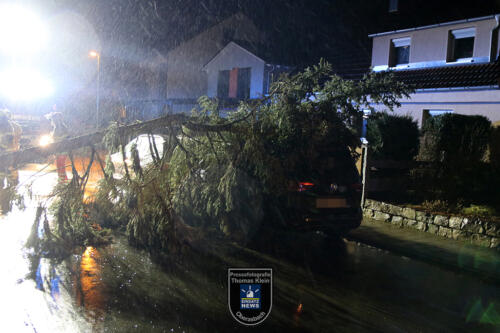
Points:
(297, 33)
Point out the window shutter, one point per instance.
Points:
(233, 83)
(223, 84)
(244, 83)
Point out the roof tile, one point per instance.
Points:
(470, 75)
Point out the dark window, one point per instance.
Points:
(463, 48)
(400, 53)
(234, 83)
(223, 84)
(243, 90)
(460, 44)
(393, 6)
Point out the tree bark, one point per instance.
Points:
(18, 158)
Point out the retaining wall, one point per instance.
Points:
(478, 231)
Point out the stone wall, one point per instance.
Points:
(478, 231)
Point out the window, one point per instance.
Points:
(234, 83)
(433, 113)
(223, 84)
(461, 44)
(393, 6)
(400, 52)
(243, 89)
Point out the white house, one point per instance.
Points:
(237, 73)
(453, 66)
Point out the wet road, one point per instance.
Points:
(319, 286)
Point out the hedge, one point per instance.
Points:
(392, 137)
(457, 144)
(455, 139)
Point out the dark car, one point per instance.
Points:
(328, 201)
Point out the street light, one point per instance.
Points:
(95, 54)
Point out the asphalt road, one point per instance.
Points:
(320, 285)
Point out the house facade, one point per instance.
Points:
(236, 73)
(453, 66)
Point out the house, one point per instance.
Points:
(186, 79)
(453, 66)
(224, 61)
(237, 73)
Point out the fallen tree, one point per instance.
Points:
(221, 177)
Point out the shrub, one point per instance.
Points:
(443, 206)
(458, 144)
(455, 139)
(479, 211)
(438, 206)
(494, 147)
(393, 137)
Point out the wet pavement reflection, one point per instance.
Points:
(89, 288)
(320, 285)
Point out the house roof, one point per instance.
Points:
(257, 48)
(475, 19)
(230, 44)
(250, 48)
(453, 76)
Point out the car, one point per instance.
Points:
(330, 200)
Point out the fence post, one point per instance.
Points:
(364, 161)
(364, 152)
